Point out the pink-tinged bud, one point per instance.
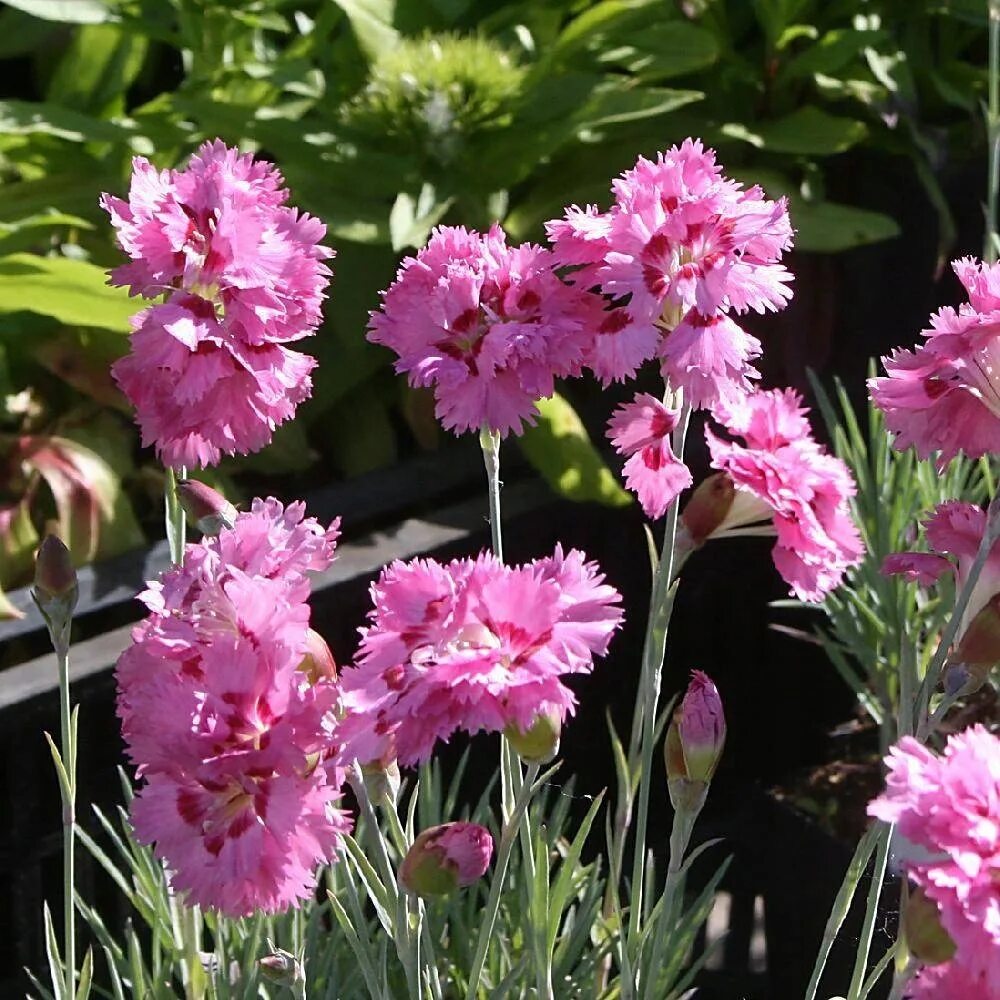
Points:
(926, 939)
(55, 576)
(55, 590)
(207, 508)
(539, 743)
(708, 507)
(980, 643)
(381, 782)
(445, 857)
(697, 732)
(317, 660)
(282, 968)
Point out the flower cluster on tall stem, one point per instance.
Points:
(229, 722)
(681, 247)
(240, 275)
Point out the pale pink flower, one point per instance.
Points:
(680, 247)
(445, 857)
(944, 396)
(244, 274)
(784, 478)
(200, 393)
(471, 645)
(487, 325)
(227, 720)
(641, 431)
(947, 808)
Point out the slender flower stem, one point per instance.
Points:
(990, 247)
(871, 911)
(489, 441)
(654, 649)
(68, 744)
(680, 837)
(507, 838)
(174, 516)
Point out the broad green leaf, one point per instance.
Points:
(97, 68)
(808, 131)
(71, 291)
(660, 51)
(835, 50)
(559, 448)
(826, 227)
(372, 441)
(614, 102)
(289, 451)
(38, 117)
(67, 11)
(371, 21)
(601, 19)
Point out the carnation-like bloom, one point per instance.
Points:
(956, 530)
(641, 430)
(471, 645)
(487, 325)
(443, 858)
(947, 808)
(779, 481)
(244, 274)
(227, 704)
(681, 246)
(944, 396)
(199, 392)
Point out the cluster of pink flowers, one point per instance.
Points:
(680, 248)
(242, 275)
(944, 396)
(228, 719)
(471, 645)
(488, 325)
(948, 810)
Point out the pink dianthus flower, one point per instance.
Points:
(487, 325)
(244, 274)
(471, 645)
(681, 247)
(944, 396)
(947, 808)
(783, 479)
(641, 430)
(229, 730)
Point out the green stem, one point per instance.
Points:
(838, 912)
(507, 838)
(174, 516)
(644, 722)
(489, 441)
(871, 912)
(680, 837)
(68, 750)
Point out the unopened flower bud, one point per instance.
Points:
(697, 732)
(208, 509)
(282, 968)
(381, 782)
(317, 660)
(445, 857)
(708, 506)
(55, 591)
(980, 643)
(926, 939)
(539, 743)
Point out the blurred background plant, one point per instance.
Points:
(388, 117)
